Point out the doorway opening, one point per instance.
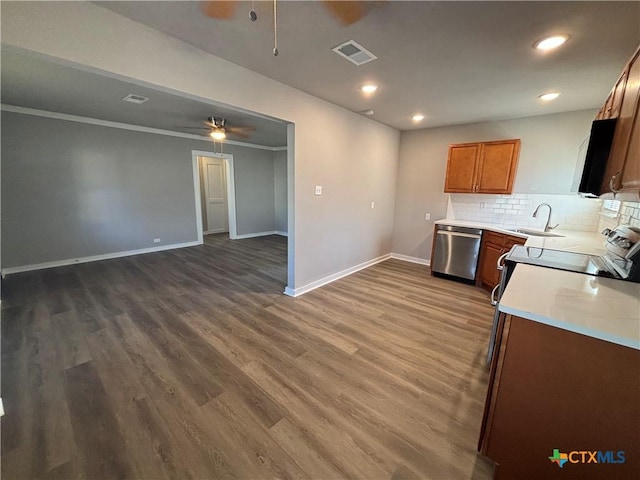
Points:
(215, 196)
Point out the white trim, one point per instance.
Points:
(1, 408)
(407, 258)
(280, 149)
(126, 126)
(231, 190)
(95, 258)
(296, 292)
(257, 234)
(283, 234)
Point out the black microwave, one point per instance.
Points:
(596, 157)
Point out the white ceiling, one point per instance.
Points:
(34, 82)
(457, 62)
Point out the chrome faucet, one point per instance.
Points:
(547, 227)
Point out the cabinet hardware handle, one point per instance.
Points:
(499, 264)
(494, 302)
(612, 182)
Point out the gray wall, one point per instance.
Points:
(72, 190)
(255, 211)
(280, 190)
(548, 156)
(354, 158)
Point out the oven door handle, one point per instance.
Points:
(494, 302)
(500, 263)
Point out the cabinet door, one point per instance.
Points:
(617, 93)
(461, 168)
(497, 166)
(631, 172)
(489, 274)
(624, 126)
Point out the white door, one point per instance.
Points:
(214, 178)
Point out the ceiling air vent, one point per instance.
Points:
(135, 99)
(354, 52)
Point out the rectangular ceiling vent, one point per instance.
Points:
(354, 52)
(138, 99)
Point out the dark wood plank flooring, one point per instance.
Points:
(191, 363)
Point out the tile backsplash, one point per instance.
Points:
(570, 211)
(629, 214)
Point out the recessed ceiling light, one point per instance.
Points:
(418, 117)
(369, 88)
(547, 97)
(550, 43)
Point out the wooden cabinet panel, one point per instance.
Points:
(461, 167)
(631, 171)
(551, 388)
(489, 274)
(497, 239)
(511, 241)
(488, 167)
(617, 94)
(624, 127)
(497, 166)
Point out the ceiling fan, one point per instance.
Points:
(346, 12)
(219, 128)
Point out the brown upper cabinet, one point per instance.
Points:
(487, 167)
(623, 166)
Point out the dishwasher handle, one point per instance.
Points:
(458, 234)
(500, 263)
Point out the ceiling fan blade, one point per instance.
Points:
(347, 12)
(220, 10)
(236, 133)
(241, 128)
(193, 128)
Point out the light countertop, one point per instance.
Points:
(599, 307)
(591, 243)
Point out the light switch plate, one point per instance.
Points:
(427, 216)
(318, 189)
(373, 204)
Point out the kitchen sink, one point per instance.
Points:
(535, 233)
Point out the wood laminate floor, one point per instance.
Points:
(191, 363)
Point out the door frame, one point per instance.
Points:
(231, 191)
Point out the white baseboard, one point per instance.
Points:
(283, 234)
(258, 234)
(407, 258)
(95, 258)
(296, 292)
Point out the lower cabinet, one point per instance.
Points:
(493, 246)
(561, 405)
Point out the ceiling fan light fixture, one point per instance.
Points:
(218, 134)
(550, 43)
(369, 88)
(418, 117)
(547, 97)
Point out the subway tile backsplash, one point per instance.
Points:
(630, 213)
(570, 211)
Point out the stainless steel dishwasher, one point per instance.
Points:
(456, 252)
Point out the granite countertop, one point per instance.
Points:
(603, 308)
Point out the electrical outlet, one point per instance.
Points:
(373, 204)
(156, 240)
(318, 190)
(427, 216)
